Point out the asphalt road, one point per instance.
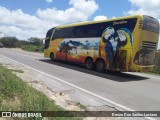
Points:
(135, 91)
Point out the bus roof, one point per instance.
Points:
(99, 21)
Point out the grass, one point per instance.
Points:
(33, 48)
(16, 95)
(18, 71)
(81, 105)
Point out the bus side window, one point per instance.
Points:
(64, 33)
(53, 37)
(56, 34)
(79, 32)
(69, 32)
(87, 31)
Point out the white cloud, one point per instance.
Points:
(2, 35)
(147, 7)
(17, 23)
(49, 1)
(100, 18)
(146, 4)
(23, 26)
(81, 10)
(19, 32)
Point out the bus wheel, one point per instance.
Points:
(89, 63)
(100, 66)
(52, 57)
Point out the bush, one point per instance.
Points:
(33, 48)
(9, 41)
(12, 42)
(35, 41)
(157, 64)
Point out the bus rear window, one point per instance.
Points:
(151, 24)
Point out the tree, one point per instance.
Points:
(35, 41)
(9, 41)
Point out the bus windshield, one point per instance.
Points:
(48, 37)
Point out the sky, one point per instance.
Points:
(32, 18)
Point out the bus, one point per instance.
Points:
(126, 44)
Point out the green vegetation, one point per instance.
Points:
(81, 105)
(157, 65)
(33, 44)
(33, 48)
(9, 41)
(16, 95)
(18, 71)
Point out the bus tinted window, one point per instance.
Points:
(57, 34)
(49, 33)
(48, 37)
(150, 24)
(85, 31)
(64, 33)
(93, 30)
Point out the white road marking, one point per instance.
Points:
(81, 89)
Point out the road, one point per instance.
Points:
(128, 91)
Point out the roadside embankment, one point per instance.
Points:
(16, 95)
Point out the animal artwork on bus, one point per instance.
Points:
(78, 48)
(110, 37)
(67, 46)
(115, 41)
(126, 44)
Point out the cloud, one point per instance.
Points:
(81, 10)
(23, 26)
(19, 32)
(17, 23)
(49, 1)
(147, 7)
(100, 18)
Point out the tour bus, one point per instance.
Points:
(119, 44)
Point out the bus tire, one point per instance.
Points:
(52, 57)
(100, 66)
(89, 63)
